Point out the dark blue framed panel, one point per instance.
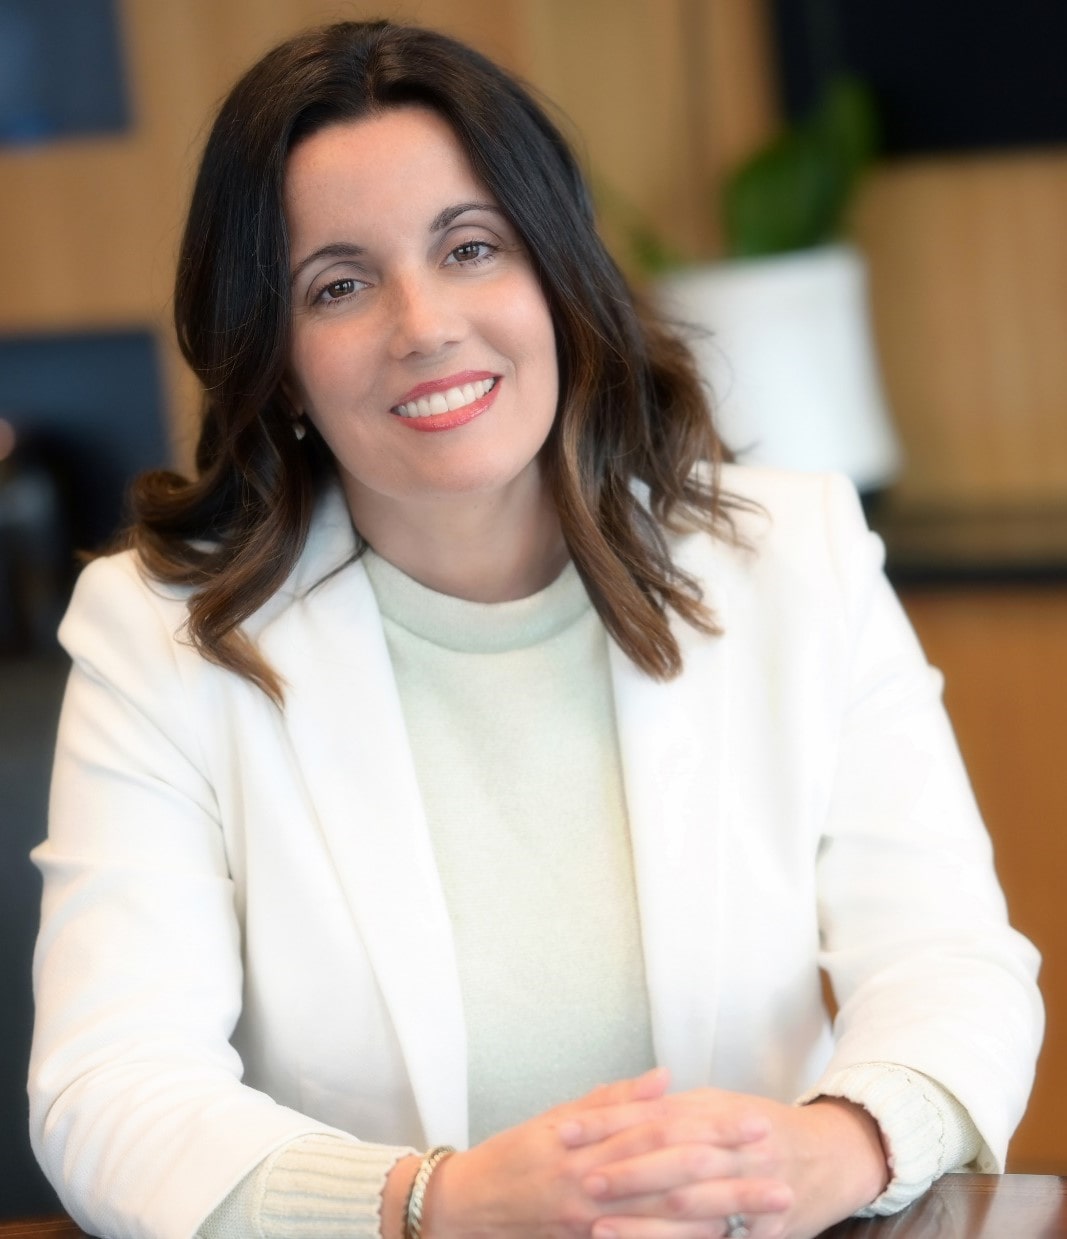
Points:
(90, 405)
(61, 70)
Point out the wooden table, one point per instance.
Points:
(973, 1206)
(960, 1206)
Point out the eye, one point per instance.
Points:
(336, 290)
(472, 252)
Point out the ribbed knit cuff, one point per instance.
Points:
(317, 1187)
(925, 1129)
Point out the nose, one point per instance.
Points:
(425, 316)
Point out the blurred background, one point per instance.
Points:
(694, 117)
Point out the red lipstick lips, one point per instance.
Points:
(444, 404)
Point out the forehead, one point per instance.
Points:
(403, 159)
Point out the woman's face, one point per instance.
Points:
(422, 345)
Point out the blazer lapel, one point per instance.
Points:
(357, 763)
(674, 744)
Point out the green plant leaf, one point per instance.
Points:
(848, 121)
(793, 194)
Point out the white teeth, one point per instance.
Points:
(459, 396)
(444, 401)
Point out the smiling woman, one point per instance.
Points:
(416, 308)
(468, 731)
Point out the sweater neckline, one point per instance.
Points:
(476, 627)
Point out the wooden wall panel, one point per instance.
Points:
(660, 96)
(616, 71)
(1004, 656)
(734, 105)
(969, 279)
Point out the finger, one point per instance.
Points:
(728, 1137)
(665, 1228)
(673, 1165)
(704, 1204)
(647, 1087)
(660, 1170)
(652, 1084)
(586, 1125)
(668, 1120)
(652, 1228)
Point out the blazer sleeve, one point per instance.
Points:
(138, 1113)
(915, 939)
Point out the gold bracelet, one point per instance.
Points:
(413, 1214)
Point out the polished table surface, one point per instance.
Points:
(974, 1206)
(959, 1206)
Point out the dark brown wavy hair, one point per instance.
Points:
(631, 405)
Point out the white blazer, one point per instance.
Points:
(232, 890)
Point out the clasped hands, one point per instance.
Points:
(630, 1161)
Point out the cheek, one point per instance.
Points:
(535, 333)
(320, 369)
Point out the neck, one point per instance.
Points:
(492, 548)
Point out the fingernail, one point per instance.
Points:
(600, 1231)
(779, 1198)
(658, 1078)
(570, 1132)
(595, 1185)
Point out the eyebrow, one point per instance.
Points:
(443, 218)
(343, 249)
(336, 249)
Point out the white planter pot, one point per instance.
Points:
(785, 346)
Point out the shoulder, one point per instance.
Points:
(124, 628)
(115, 591)
(802, 540)
(777, 502)
(778, 512)
(118, 599)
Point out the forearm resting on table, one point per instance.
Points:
(317, 1186)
